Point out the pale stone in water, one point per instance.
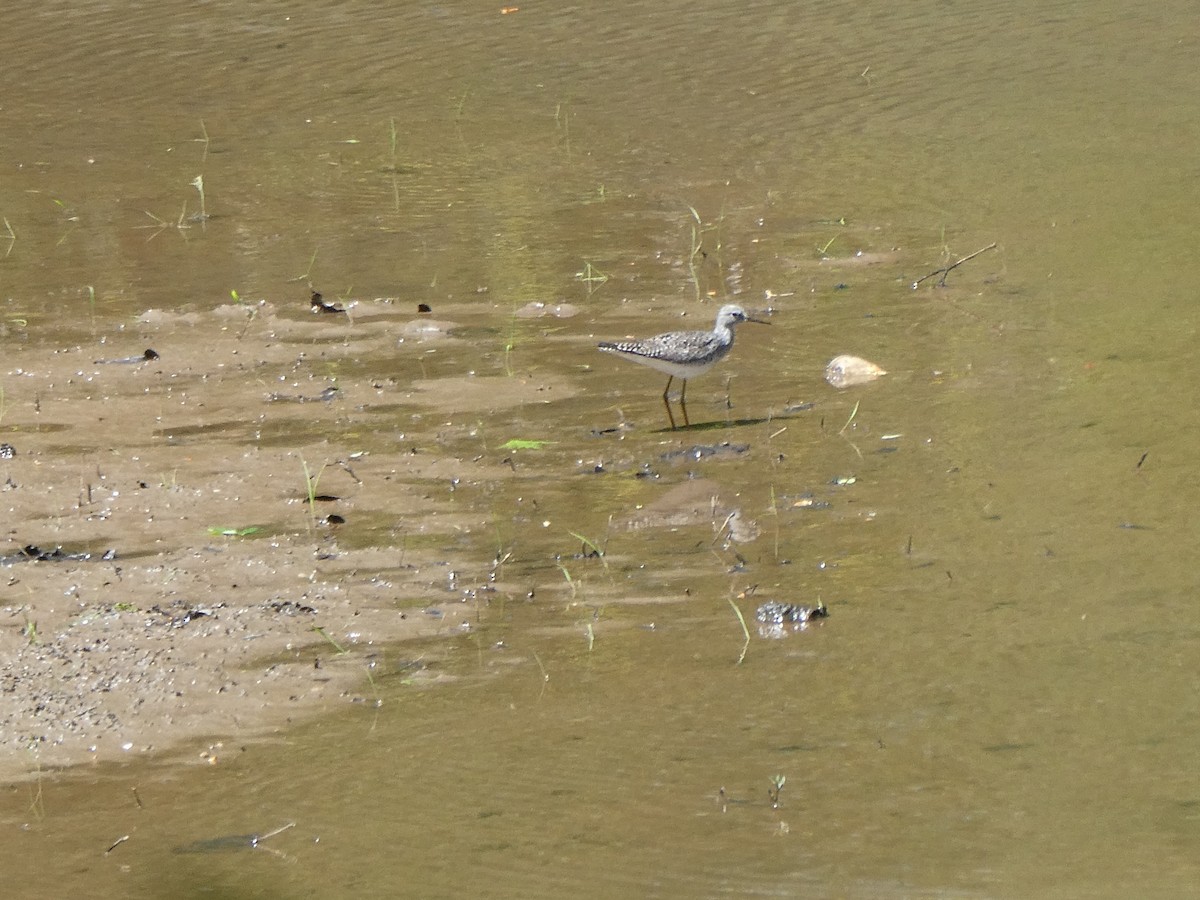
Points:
(846, 371)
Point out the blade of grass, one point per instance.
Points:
(745, 631)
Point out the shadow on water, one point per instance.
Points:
(723, 424)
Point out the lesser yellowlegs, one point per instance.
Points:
(684, 354)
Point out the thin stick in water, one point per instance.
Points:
(954, 265)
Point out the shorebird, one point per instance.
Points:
(683, 354)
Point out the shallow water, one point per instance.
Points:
(1002, 701)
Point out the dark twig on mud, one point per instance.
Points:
(954, 265)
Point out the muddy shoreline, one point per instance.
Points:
(185, 564)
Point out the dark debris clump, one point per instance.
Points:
(776, 619)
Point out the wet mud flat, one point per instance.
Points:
(174, 571)
(222, 520)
